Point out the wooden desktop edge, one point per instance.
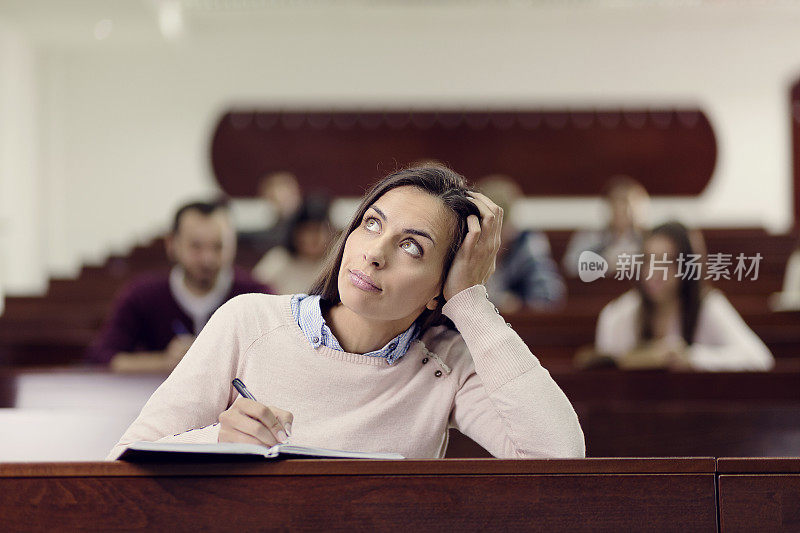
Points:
(758, 465)
(341, 467)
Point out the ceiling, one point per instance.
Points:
(80, 22)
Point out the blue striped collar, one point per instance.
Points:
(308, 314)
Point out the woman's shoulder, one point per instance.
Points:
(714, 302)
(627, 302)
(257, 307)
(275, 259)
(447, 345)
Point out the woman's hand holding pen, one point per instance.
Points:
(474, 262)
(255, 423)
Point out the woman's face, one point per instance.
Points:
(312, 238)
(664, 283)
(392, 263)
(628, 209)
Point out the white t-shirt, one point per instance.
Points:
(200, 308)
(722, 342)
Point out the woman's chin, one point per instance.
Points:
(360, 302)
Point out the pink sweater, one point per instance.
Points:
(484, 381)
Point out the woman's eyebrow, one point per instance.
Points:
(405, 230)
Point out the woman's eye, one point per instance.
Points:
(412, 248)
(372, 224)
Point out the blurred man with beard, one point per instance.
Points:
(157, 317)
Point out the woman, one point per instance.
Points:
(671, 320)
(293, 265)
(367, 362)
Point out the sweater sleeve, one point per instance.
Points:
(724, 342)
(186, 407)
(508, 403)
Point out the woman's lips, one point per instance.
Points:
(362, 281)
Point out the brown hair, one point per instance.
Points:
(438, 181)
(204, 208)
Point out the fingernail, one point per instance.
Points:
(282, 436)
(288, 428)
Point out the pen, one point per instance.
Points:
(239, 385)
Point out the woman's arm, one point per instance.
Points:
(508, 402)
(186, 407)
(724, 342)
(616, 333)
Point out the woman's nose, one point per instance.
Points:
(375, 254)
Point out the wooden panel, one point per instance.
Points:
(551, 153)
(471, 502)
(720, 429)
(749, 465)
(656, 385)
(759, 502)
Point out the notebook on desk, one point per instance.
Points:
(227, 451)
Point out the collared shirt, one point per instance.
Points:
(308, 314)
(199, 308)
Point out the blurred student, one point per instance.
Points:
(157, 317)
(628, 203)
(526, 274)
(293, 266)
(789, 297)
(281, 192)
(672, 320)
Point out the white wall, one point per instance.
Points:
(125, 117)
(22, 266)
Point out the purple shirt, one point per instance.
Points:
(146, 317)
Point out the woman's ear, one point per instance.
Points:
(433, 304)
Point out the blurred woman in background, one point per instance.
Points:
(294, 265)
(672, 320)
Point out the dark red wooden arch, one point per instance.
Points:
(551, 153)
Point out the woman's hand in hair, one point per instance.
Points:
(474, 262)
(255, 423)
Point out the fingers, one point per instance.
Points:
(285, 418)
(253, 420)
(491, 216)
(473, 229)
(228, 434)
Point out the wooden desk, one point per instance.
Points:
(464, 495)
(759, 494)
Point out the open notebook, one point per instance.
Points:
(226, 451)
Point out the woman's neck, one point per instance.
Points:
(357, 334)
